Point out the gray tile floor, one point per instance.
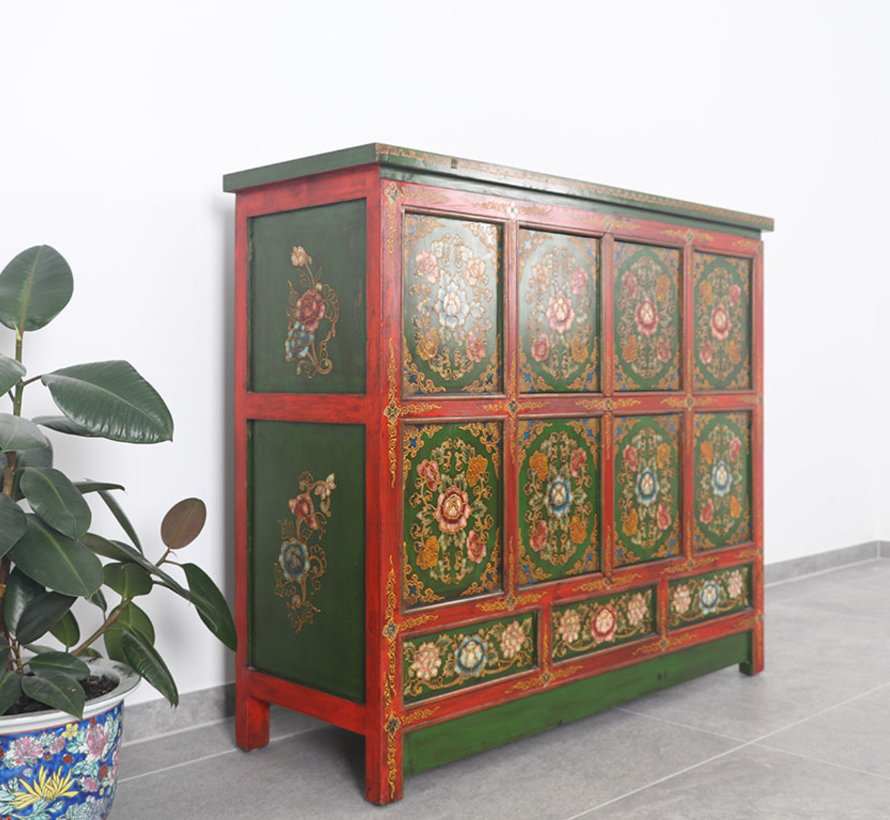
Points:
(808, 738)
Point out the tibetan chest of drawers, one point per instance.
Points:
(498, 449)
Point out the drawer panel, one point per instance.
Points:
(708, 596)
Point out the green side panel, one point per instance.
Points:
(306, 554)
(603, 622)
(559, 498)
(647, 317)
(722, 317)
(722, 479)
(453, 511)
(475, 653)
(463, 736)
(451, 291)
(708, 596)
(307, 302)
(647, 488)
(559, 346)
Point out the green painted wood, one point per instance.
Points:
(306, 554)
(307, 300)
(422, 162)
(467, 735)
(708, 596)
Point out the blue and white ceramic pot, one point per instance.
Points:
(55, 767)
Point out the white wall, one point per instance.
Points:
(117, 122)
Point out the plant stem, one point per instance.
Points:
(115, 614)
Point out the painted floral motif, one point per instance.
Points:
(558, 505)
(452, 505)
(67, 772)
(709, 596)
(452, 281)
(647, 323)
(312, 314)
(647, 507)
(601, 623)
(722, 286)
(301, 560)
(722, 483)
(558, 296)
(469, 655)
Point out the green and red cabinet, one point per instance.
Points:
(499, 446)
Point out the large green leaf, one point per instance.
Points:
(17, 433)
(13, 523)
(56, 690)
(146, 661)
(118, 512)
(95, 486)
(111, 400)
(118, 551)
(67, 630)
(34, 287)
(128, 580)
(62, 424)
(60, 662)
(183, 523)
(20, 591)
(56, 500)
(41, 614)
(10, 372)
(10, 690)
(211, 605)
(57, 561)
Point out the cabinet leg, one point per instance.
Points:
(251, 722)
(384, 774)
(754, 664)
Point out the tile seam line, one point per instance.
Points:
(745, 745)
(680, 725)
(826, 762)
(201, 759)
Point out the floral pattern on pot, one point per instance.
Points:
(647, 317)
(559, 490)
(452, 510)
(301, 560)
(709, 596)
(445, 661)
(451, 291)
(65, 772)
(722, 317)
(312, 313)
(647, 507)
(722, 479)
(604, 622)
(558, 312)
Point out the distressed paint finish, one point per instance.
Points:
(471, 253)
(558, 313)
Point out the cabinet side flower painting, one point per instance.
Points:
(301, 560)
(313, 310)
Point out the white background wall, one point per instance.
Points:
(117, 122)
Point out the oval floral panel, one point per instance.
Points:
(558, 312)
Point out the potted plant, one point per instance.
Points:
(57, 575)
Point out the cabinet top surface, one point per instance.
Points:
(405, 162)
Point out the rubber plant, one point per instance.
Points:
(49, 556)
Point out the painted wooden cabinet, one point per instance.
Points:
(498, 449)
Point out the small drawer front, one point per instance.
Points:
(603, 622)
(708, 596)
(476, 653)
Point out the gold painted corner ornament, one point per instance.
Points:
(312, 314)
(302, 561)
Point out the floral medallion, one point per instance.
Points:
(559, 490)
(66, 772)
(647, 508)
(722, 479)
(709, 596)
(444, 661)
(601, 623)
(647, 317)
(451, 292)
(722, 297)
(558, 312)
(312, 313)
(301, 561)
(452, 510)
